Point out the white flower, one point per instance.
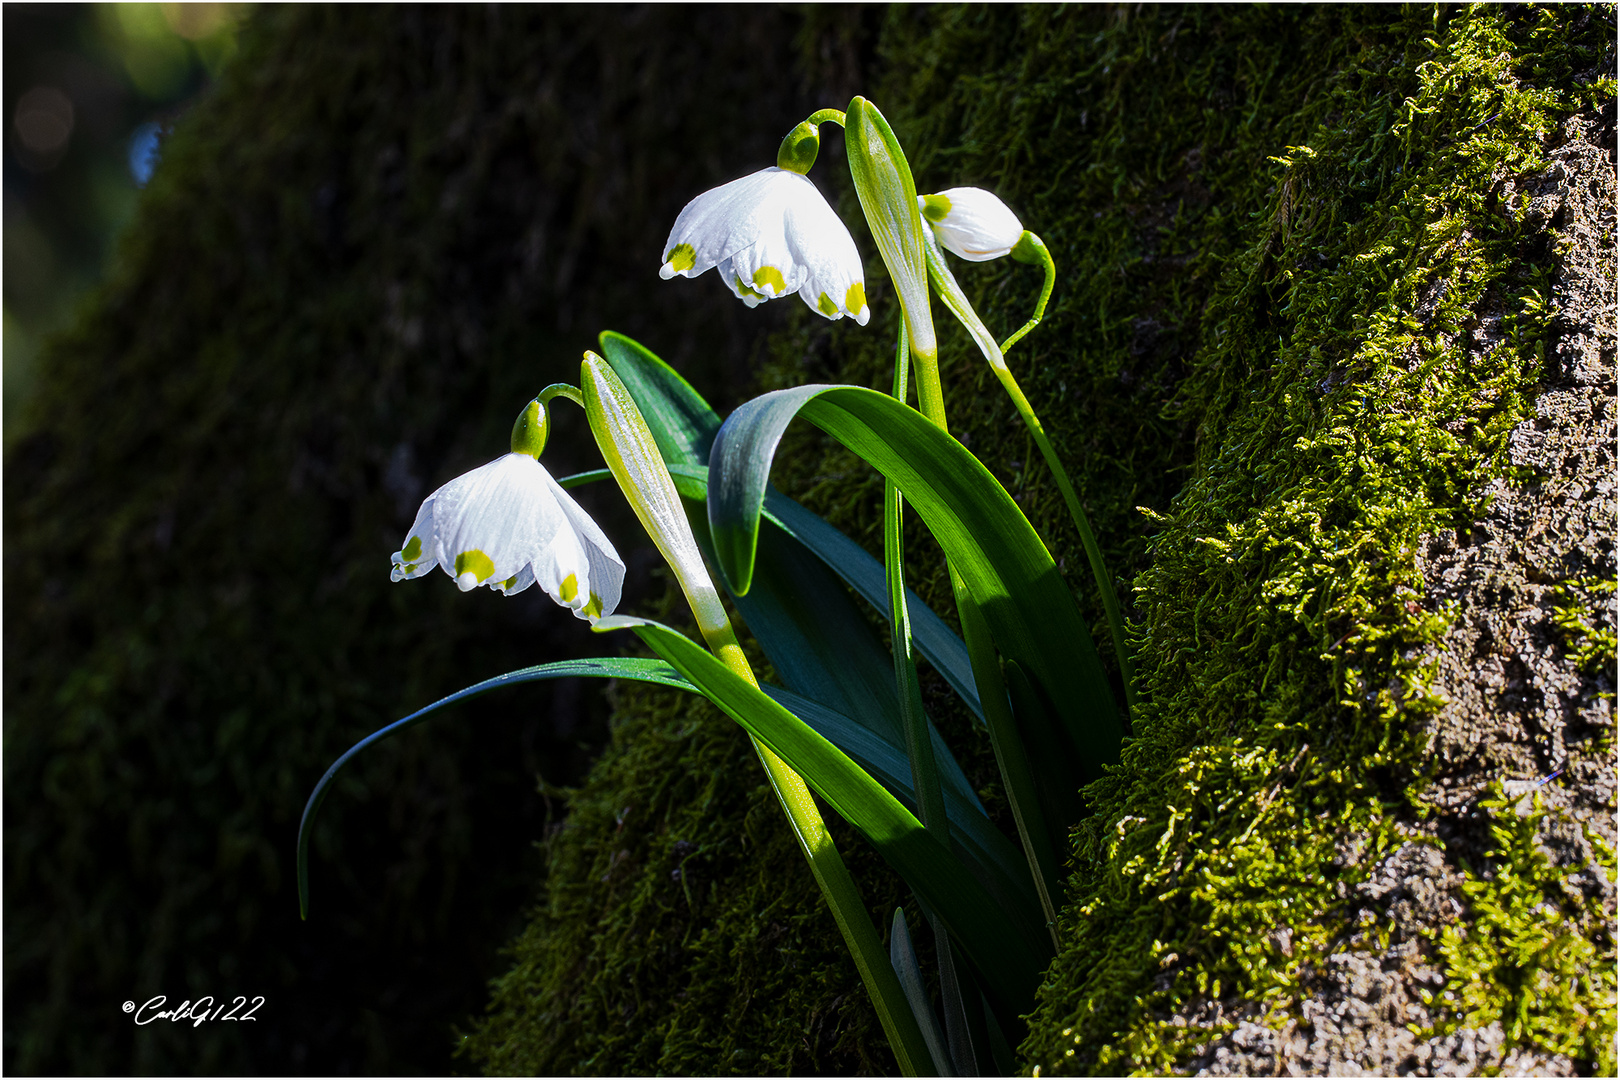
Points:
(971, 222)
(769, 234)
(507, 525)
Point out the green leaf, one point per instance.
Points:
(639, 669)
(903, 958)
(684, 426)
(1001, 946)
(1031, 614)
(936, 641)
(986, 850)
(682, 423)
(983, 849)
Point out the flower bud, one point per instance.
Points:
(972, 223)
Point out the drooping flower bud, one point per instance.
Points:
(971, 223)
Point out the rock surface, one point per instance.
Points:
(1519, 708)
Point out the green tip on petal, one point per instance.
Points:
(855, 299)
(769, 277)
(473, 568)
(936, 207)
(412, 551)
(799, 149)
(568, 589)
(827, 306)
(529, 433)
(680, 259)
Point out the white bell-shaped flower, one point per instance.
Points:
(971, 222)
(769, 234)
(507, 525)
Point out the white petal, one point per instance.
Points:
(832, 263)
(495, 519)
(604, 576)
(978, 226)
(424, 552)
(720, 222)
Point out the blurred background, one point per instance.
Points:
(90, 90)
(272, 275)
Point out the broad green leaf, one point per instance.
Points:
(938, 644)
(682, 423)
(1031, 614)
(1007, 956)
(684, 426)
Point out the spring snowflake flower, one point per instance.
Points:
(769, 234)
(971, 222)
(508, 525)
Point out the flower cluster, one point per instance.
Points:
(772, 233)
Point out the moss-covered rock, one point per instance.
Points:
(1308, 308)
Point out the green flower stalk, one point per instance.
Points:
(1029, 248)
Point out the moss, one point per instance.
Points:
(1535, 955)
(1591, 647)
(1345, 406)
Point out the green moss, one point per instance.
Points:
(1591, 647)
(1534, 954)
(1344, 408)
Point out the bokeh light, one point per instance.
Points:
(89, 91)
(143, 151)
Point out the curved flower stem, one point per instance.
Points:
(636, 463)
(1031, 249)
(951, 293)
(826, 116)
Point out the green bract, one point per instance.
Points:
(889, 197)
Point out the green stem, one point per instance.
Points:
(951, 293)
(826, 116)
(839, 889)
(1030, 249)
(919, 747)
(919, 744)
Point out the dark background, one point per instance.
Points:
(371, 235)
